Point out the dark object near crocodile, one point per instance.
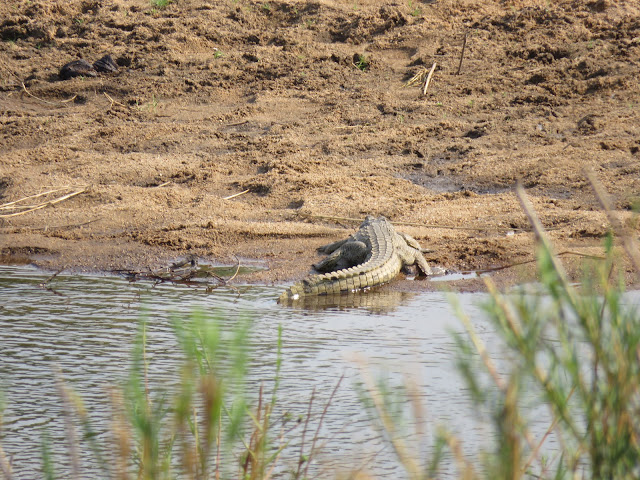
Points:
(77, 68)
(372, 256)
(105, 65)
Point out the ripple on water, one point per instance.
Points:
(87, 328)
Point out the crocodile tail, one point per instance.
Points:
(314, 285)
(292, 293)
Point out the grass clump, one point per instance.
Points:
(161, 4)
(361, 62)
(212, 375)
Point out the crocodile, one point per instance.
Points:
(372, 256)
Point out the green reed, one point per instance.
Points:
(209, 425)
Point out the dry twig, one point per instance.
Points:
(388, 425)
(464, 46)
(428, 80)
(317, 434)
(32, 208)
(63, 102)
(236, 272)
(237, 194)
(113, 102)
(423, 77)
(304, 433)
(535, 453)
(6, 206)
(418, 78)
(54, 227)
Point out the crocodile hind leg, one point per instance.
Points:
(349, 254)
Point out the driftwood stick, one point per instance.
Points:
(424, 225)
(5, 206)
(428, 80)
(46, 282)
(464, 46)
(45, 204)
(237, 194)
(45, 285)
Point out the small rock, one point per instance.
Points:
(105, 65)
(77, 68)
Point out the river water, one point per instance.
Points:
(85, 326)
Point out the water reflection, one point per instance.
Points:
(88, 326)
(379, 301)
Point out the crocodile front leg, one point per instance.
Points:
(421, 263)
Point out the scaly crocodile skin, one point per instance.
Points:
(389, 251)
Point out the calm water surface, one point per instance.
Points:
(87, 324)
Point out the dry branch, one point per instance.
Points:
(5, 206)
(464, 46)
(424, 225)
(63, 102)
(32, 208)
(428, 80)
(237, 194)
